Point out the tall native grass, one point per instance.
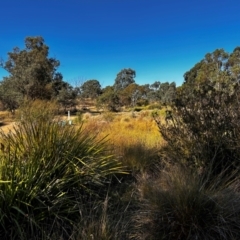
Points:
(49, 174)
(179, 204)
(135, 140)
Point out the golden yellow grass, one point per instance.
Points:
(123, 128)
(135, 140)
(119, 127)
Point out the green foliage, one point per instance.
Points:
(197, 196)
(204, 125)
(48, 173)
(156, 85)
(109, 99)
(32, 74)
(124, 78)
(218, 71)
(31, 69)
(131, 95)
(160, 92)
(91, 89)
(67, 97)
(167, 92)
(10, 98)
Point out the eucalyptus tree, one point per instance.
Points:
(130, 95)
(124, 78)
(91, 89)
(67, 97)
(32, 73)
(109, 99)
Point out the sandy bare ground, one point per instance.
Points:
(7, 127)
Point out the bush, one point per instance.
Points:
(30, 110)
(203, 131)
(48, 173)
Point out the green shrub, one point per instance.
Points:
(204, 128)
(203, 131)
(48, 173)
(30, 110)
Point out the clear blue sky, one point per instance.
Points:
(95, 39)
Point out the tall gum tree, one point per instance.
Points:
(124, 78)
(32, 73)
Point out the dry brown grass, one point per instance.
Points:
(124, 129)
(7, 120)
(135, 140)
(8, 127)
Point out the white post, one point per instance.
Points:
(68, 115)
(69, 119)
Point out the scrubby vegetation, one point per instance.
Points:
(135, 162)
(51, 175)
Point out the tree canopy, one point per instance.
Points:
(32, 74)
(91, 89)
(124, 78)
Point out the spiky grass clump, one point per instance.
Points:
(180, 205)
(48, 173)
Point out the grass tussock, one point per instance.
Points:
(179, 204)
(48, 174)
